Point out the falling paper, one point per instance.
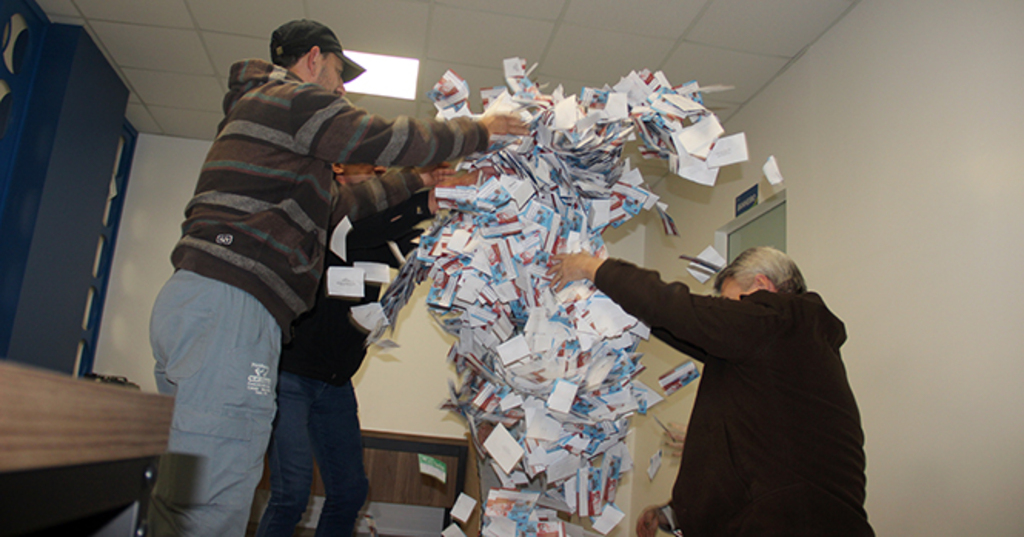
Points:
(433, 467)
(677, 378)
(546, 379)
(654, 466)
(463, 508)
(706, 265)
(771, 171)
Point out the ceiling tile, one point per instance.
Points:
(485, 39)
(653, 18)
(254, 18)
(534, 9)
(711, 65)
(226, 49)
(383, 106)
(392, 27)
(779, 27)
(192, 92)
(166, 13)
(58, 8)
(67, 19)
(601, 57)
(147, 47)
(187, 123)
(140, 118)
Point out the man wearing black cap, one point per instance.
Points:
(251, 257)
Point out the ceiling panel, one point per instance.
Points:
(535, 9)
(176, 90)
(711, 65)
(58, 8)
(226, 49)
(174, 55)
(654, 18)
(255, 18)
(187, 123)
(166, 49)
(140, 118)
(484, 39)
(779, 27)
(167, 13)
(601, 57)
(361, 24)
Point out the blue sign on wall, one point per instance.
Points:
(746, 200)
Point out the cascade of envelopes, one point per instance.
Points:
(547, 380)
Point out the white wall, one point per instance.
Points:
(900, 135)
(163, 177)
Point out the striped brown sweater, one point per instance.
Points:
(262, 209)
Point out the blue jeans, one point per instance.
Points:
(318, 419)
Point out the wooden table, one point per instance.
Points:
(76, 455)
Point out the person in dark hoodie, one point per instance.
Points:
(774, 445)
(252, 254)
(317, 407)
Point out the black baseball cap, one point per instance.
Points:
(296, 38)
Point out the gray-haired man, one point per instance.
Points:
(774, 444)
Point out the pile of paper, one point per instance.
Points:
(547, 381)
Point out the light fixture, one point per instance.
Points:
(387, 76)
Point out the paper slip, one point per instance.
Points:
(500, 527)
(345, 282)
(654, 466)
(610, 517)
(453, 530)
(771, 171)
(433, 467)
(338, 238)
(503, 448)
(678, 377)
(562, 396)
(369, 316)
(378, 273)
(463, 508)
(728, 150)
(703, 272)
(513, 350)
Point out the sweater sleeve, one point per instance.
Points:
(341, 132)
(735, 330)
(374, 195)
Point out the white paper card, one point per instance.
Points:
(610, 517)
(369, 316)
(728, 150)
(338, 238)
(562, 396)
(463, 508)
(652, 469)
(345, 282)
(503, 448)
(771, 171)
(378, 273)
(453, 530)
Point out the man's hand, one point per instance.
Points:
(567, 268)
(447, 177)
(675, 438)
(498, 124)
(650, 519)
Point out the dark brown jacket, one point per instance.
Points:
(262, 210)
(774, 445)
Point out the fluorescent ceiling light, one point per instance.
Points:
(387, 76)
